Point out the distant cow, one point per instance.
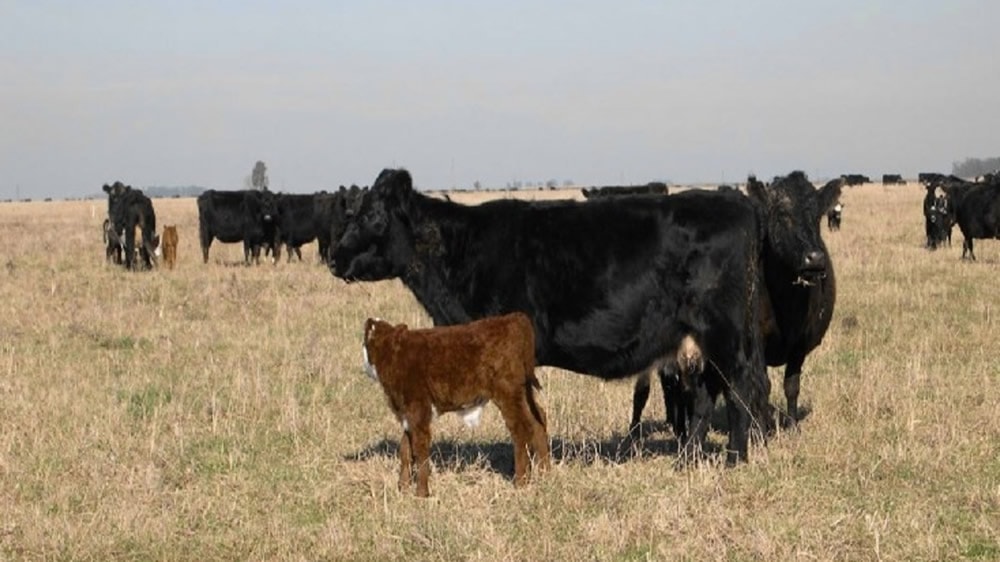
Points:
(855, 179)
(651, 188)
(977, 211)
(169, 242)
(800, 290)
(834, 215)
(297, 223)
(893, 179)
(459, 369)
(249, 216)
(614, 286)
(331, 216)
(129, 212)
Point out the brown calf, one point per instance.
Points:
(169, 242)
(459, 369)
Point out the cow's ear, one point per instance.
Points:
(829, 194)
(107, 188)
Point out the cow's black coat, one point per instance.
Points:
(613, 286)
(130, 209)
(976, 208)
(800, 289)
(232, 216)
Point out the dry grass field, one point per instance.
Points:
(220, 412)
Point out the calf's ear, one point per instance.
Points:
(828, 195)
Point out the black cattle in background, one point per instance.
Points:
(800, 290)
(939, 219)
(613, 286)
(976, 208)
(331, 215)
(249, 216)
(296, 221)
(852, 180)
(893, 179)
(651, 188)
(834, 216)
(131, 212)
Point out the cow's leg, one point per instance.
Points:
(539, 433)
(639, 398)
(405, 461)
(519, 420)
(206, 241)
(675, 402)
(421, 435)
(793, 375)
(129, 247)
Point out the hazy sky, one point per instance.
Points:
(328, 93)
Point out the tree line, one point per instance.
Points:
(973, 167)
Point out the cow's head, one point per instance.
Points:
(268, 207)
(793, 208)
(377, 238)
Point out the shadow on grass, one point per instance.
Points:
(657, 440)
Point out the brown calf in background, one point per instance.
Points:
(458, 369)
(169, 242)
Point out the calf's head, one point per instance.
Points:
(793, 208)
(379, 338)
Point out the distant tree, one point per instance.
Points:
(477, 185)
(568, 183)
(972, 167)
(258, 179)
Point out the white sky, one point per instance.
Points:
(328, 93)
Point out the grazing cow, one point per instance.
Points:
(169, 242)
(893, 179)
(614, 286)
(800, 294)
(834, 215)
(651, 188)
(129, 212)
(976, 208)
(459, 369)
(232, 216)
(855, 179)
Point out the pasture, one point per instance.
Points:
(221, 412)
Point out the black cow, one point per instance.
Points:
(331, 216)
(800, 290)
(834, 215)
(613, 286)
(855, 179)
(651, 188)
(129, 210)
(928, 178)
(893, 179)
(297, 223)
(976, 208)
(232, 216)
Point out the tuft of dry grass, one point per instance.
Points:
(220, 412)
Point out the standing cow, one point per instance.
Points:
(131, 216)
(613, 286)
(232, 216)
(800, 290)
(976, 208)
